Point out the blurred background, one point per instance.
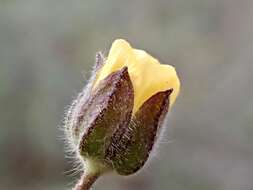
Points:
(47, 49)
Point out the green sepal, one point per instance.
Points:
(108, 109)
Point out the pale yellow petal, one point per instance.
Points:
(146, 73)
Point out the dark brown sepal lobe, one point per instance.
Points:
(110, 107)
(131, 146)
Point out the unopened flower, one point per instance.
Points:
(116, 119)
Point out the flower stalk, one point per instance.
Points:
(86, 181)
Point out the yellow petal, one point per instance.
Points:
(146, 73)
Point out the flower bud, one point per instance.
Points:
(116, 120)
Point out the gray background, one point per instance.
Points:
(47, 49)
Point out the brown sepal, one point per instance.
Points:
(130, 146)
(108, 109)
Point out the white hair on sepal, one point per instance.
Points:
(154, 158)
(71, 148)
(161, 139)
(71, 154)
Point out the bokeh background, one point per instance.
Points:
(47, 49)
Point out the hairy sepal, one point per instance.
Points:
(108, 109)
(131, 146)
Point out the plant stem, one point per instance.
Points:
(86, 181)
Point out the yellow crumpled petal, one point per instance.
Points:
(146, 73)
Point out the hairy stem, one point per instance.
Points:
(86, 181)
